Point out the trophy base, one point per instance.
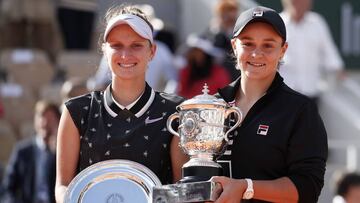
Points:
(199, 173)
(203, 191)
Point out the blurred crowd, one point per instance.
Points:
(48, 54)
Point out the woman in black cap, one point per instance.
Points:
(279, 152)
(128, 119)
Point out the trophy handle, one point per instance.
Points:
(169, 121)
(239, 117)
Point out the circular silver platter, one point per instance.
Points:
(112, 181)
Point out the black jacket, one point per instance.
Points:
(20, 176)
(281, 135)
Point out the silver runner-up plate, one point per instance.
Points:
(113, 181)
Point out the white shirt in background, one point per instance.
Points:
(311, 53)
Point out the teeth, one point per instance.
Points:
(126, 65)
(257, 64)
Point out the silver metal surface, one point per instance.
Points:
(112, 181)
(203, 132)
(187, 192)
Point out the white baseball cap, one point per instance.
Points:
(139, 25)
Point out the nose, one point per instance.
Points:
(256, 53)
(124, 53)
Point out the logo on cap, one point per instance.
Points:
(258, 13)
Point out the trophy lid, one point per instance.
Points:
(204, 99)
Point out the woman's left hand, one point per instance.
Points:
(233, 189)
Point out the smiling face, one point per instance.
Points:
(258, 49)
(128, 53)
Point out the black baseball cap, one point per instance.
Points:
(262, 14)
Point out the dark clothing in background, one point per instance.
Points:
(21, 180)
(76, 27)
(222, 41)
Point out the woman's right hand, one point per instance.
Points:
(233, 189)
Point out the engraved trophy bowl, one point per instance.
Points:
(203, 132)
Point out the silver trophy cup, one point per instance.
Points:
(203, 135)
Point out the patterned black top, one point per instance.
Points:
(108, 131)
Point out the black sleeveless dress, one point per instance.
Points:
(138, 134)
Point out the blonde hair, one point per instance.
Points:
(225, 6)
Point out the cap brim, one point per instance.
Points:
(264, 20)
(135, 22)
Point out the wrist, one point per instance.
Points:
(249, 192)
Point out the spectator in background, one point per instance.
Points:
(1, 179)
(220, 29)
(311, 52)
(30, 174)
(348, 188)
(76, 19)
(201, 67)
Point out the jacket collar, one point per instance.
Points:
(138, 109)
(228, 93)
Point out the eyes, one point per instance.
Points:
(251, 45)
(132, 46)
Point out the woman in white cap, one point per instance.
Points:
(279, 152)
(128, 119)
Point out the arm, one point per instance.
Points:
(332, 60)
(68, 147)
(305, 156)
(307, 153)
(178, 158)
(11, 176)
(278, 190)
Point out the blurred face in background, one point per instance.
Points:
(46, 125)
(196, 57)
(298, 8)
(228, 19)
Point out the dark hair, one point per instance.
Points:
(43, 105)
(203, 70)
(125, 9)
(346, 182)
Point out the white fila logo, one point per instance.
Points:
(263, 130)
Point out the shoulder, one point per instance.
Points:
(221, 70)
(83, 99)
(24, 146)
(295, 99)
(315, 18)
(169, 98)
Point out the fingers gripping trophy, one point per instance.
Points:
(203, 135)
